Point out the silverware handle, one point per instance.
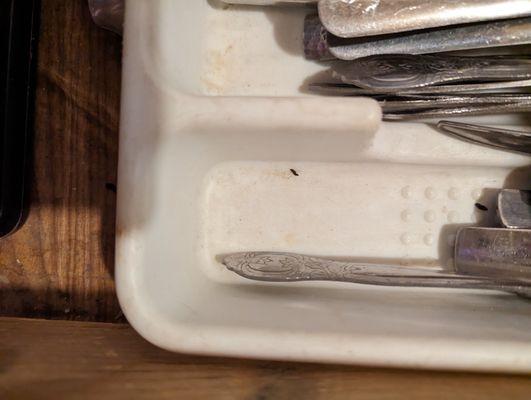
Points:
(445, 39)
(289, 267)
(500, 139)
(497, 254)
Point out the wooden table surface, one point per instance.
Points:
(98, 361)
(59, 265)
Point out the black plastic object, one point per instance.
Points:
(18, 32)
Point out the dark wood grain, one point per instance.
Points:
(79, 360)
(60, 263)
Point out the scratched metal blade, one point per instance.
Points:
(498, 138)
(376, 17)
(289, 267)
(514, 207)
(403, 71)
(476, 36)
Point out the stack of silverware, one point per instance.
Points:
(423, 59)
(416, 57)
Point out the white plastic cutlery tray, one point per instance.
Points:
(222, 150)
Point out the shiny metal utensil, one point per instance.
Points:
(499, 254)
(505, 139)
(356, 18)
(465, 111)
(289, 267)
(475, 36)
(346, 89)
(411, 103)
(491, 37)
(514, 208)
(488, 97)
(403, 71)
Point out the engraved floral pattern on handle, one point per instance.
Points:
(289, 267)
(403, 71)
(281, 267)
(278, 267)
